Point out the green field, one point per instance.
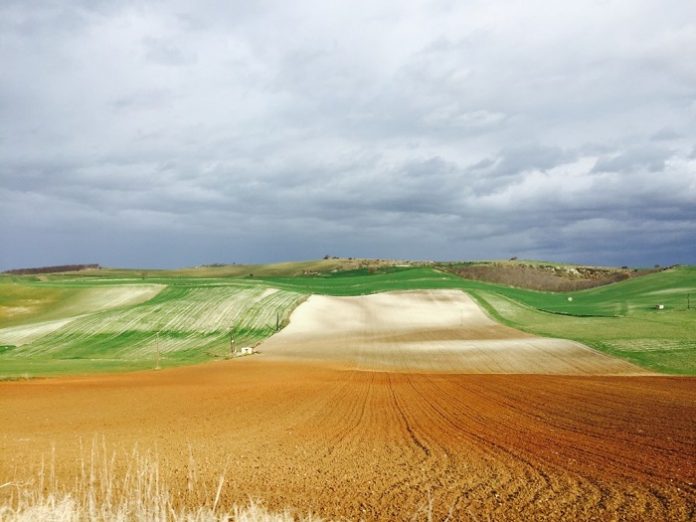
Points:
(114, 320)
(188, 320)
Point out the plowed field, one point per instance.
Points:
(378, 445)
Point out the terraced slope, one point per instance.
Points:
(428, 330)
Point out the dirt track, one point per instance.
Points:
(427, 331)
(378, 445)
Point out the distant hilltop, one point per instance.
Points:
(545, 276)
(51, 269)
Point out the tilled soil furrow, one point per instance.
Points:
(580, 457)
(507, 464)
(352, 444)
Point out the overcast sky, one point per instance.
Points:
(159, 134)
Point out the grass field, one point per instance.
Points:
(184, 321)
(113, 320)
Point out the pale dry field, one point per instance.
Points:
(427, 331)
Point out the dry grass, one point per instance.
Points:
(109, 487)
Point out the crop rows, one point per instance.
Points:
(179, 322)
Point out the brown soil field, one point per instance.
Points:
(378, 445)
(427, 331)
(346, 443)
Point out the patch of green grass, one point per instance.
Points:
(641, 294)
(663, 342)
(31, 368)
(360, 282)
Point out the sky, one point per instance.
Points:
(168, 134)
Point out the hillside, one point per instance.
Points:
(542, 276)
(532, 275)
(620, 319)
(114, 320)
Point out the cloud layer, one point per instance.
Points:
(157, 134)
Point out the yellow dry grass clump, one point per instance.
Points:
(107, 488)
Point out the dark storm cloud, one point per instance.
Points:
(156, 134)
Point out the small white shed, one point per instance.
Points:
(247, 350)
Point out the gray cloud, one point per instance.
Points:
(159, 135)
(646, 157)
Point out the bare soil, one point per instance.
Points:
(378, 445)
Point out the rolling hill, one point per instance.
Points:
(107, 319)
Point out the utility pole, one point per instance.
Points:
(232, 350)
(157, 360)
(277, 321)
